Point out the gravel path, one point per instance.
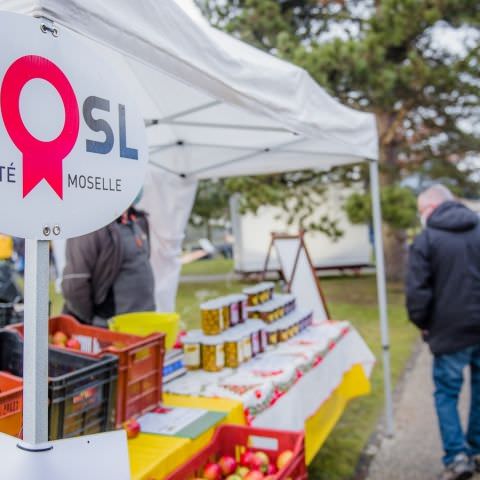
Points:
(415, 451)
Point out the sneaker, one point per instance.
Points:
(476, 461)
(461, 468)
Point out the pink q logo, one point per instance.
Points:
(41, 160)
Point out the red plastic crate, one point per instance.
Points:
(140, 362)
(11, 404)
(234, 440)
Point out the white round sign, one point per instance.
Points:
(73, 149)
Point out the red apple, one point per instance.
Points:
(256, 463)
(264, 461)
(269, 477)
(254, 475)
(212, 471)
(271, 469)
(132, 427)
(74, 344)
(234, 477)
(59, 339)
(227, 464)
(284, 459)
(247, 458)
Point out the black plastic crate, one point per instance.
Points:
(81, 390)
(7, 314)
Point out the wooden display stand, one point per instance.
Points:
(298, 272)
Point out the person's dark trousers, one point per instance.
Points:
(448, 373)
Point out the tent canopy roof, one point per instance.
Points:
(213, 105)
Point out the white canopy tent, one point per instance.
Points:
(215, 107)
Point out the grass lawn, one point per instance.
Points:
(215, 266)
(352, 299)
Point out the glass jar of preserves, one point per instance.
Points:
(233, 347)
(258, 294)
(213, 355)
(225, 304)
(212, 317)
(235, 309)
(272, 334)
(192, 354)
(247, 345)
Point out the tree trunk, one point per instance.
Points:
(395, 245)
(395, 240)
(208, 230)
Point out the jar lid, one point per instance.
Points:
(273, 327)
(233, 335)
(193, 336)
(260, 287)
(256, 324)
(211, 305)
(237, 297)
(212, 340)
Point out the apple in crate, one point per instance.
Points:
(271, 469)
(132, 428)
(59, 339)
(247, 458)
(263, 460)
(257, 463)
(227, 464)
(74, 344)
(241, 471)
(212, 471)
(254, 475)
(284, 459)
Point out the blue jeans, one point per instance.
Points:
(448, 378)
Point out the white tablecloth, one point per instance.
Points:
(305, 396)
(292, 410)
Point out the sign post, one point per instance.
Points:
(35, 363)
(73, 156)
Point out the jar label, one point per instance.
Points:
(255, 343)
(220, 356)
(263, 339)
(244, 314)
(234, 314)
(247, 348)
(240, 354)
(191, 355)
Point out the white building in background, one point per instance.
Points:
(253, 233)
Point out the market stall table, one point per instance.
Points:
(313, 403)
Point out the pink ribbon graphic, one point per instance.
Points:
(41, 160)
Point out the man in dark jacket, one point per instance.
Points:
(443, 300)
(108, 272)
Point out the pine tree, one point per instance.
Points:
(389, 57)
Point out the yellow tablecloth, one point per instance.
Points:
(318, 427)
(152, 457)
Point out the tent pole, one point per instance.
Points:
(382, 294)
